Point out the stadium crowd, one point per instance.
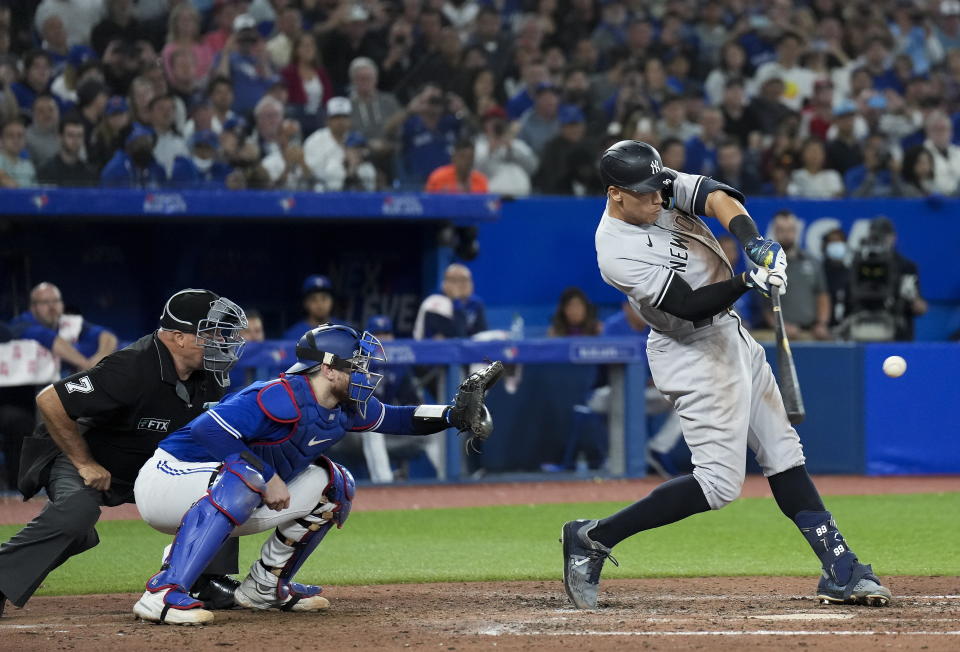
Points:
(817, 98)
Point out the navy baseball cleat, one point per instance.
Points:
(863, 588)
(582, 562)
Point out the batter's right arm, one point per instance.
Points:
(733, 216)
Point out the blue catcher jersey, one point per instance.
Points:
(279, 420)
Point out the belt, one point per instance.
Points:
(699, 324)
(710, 320)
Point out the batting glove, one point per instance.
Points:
(762, 280)
(767, 253)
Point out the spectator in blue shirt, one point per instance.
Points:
(246, 62)
(876, 60)
(134, 165)
(702, 149)
(202, 169)
(875, 177)
(318, 303)
(533, 74)
(42, 324)
(427, 137)
(38, 71)
(457, 312)
(734, 170)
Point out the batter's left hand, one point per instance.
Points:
(768, 254)
(765, 281)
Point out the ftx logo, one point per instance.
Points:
(156, 425)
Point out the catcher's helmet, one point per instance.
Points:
(635, 166)
(343, 349)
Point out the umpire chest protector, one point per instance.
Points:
(310, 428)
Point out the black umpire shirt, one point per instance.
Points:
(130, 401)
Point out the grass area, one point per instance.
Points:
(913, 534)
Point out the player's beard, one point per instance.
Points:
(341, 388)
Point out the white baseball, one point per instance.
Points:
(894, 366)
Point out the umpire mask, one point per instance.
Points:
(217, 322)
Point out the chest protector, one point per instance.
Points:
(310, 428)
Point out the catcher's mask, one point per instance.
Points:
(343, 349)
(216, 321)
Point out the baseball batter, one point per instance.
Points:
(256, 462)
(653, 247)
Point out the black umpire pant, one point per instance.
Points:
(64, 528)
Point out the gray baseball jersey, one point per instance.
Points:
(640, 261)
(713, 372)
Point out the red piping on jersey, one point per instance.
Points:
(364, 427)
(293, 400)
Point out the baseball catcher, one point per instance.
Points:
(256, 463)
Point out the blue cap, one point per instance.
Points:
(140, 131)
(116, 104)
(380, 324)
(205, 137)
(846, 107)
(79, 55)
(236, 122)
(570, 115)
(356, 139)
(317, 283)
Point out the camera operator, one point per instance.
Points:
(884, 288)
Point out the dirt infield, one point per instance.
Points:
(665, 614)
(717, 613)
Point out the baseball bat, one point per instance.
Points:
(789, 385)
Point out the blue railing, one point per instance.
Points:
(858, 419)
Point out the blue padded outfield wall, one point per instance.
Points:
(911, 422)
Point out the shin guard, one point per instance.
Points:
(283, 554)
(229, 502)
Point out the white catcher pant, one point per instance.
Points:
(166, 488)
(721, 386)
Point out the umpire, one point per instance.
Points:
(101, 425)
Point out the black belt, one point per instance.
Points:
(709, 320)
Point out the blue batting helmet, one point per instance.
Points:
(343, 349)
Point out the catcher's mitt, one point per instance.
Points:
(468, 413)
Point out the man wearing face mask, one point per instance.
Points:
(202, 169)
(836, 272)
(134, 165)
(806, 308)
(100, 425)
